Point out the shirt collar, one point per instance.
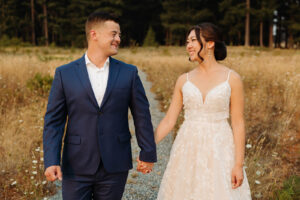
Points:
(89, 63)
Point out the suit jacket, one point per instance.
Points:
(94, 132)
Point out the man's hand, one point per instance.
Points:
(144, 167)
(53, 173)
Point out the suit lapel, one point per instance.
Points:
(82, 73)
(112, 77)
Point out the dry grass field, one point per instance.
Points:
(272, 111)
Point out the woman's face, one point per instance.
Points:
(193, 47)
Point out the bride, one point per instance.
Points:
(207, 157)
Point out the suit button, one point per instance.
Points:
(100, 113)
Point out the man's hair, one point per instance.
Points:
(97, 18)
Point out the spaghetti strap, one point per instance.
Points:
(228, 75)
(187, 76)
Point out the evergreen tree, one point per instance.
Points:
(150, 38)
(180, 15)
(293, 23)
(233, 22)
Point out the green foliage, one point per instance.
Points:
(168, 19)
(233, 21)
(150, 38)
(40, 84)
(290, 189)
(6, 41)
(293, 22)
(180, 15)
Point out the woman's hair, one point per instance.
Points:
(210, 32)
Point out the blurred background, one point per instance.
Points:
(272, 23)
(263, 40)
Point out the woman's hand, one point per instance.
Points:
(237, 176)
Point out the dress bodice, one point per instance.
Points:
(215, 106)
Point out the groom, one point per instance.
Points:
(93, 95)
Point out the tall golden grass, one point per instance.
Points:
(271, 81)
(21, 124)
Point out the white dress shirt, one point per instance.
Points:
(98, 78)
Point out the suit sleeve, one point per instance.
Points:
(54, 123)
(139, 107)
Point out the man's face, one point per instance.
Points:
(107, 36)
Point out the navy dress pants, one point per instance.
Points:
(101, 186)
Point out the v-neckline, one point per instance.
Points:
(203, 98)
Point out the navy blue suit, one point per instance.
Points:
(96, 136)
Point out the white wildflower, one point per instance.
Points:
(34, 161)
(44, 182)
(248, 146)
(34, 172)
(258, 173)
(257, 182)
(32, 177)
(258, 195)
(13, 183)
(42, 159)
(275, 154)
(20, 121)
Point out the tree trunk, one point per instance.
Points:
(167, 37)
(45, 23)
(278, 32)
(271, 35)
(247, 28)
(261, 35)
(286, 37)
(32, 23)
(291, 42)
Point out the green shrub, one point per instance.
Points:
(150, 39)
(5, 40)
(290, 189)
(40, 84)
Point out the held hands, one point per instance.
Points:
(237, 176)
(144, 167)
(53, 173)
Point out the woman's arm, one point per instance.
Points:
(238, 126)
(169, 121)
(237, 117)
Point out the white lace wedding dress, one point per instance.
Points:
(202, 155)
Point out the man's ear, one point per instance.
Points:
(93, 34)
